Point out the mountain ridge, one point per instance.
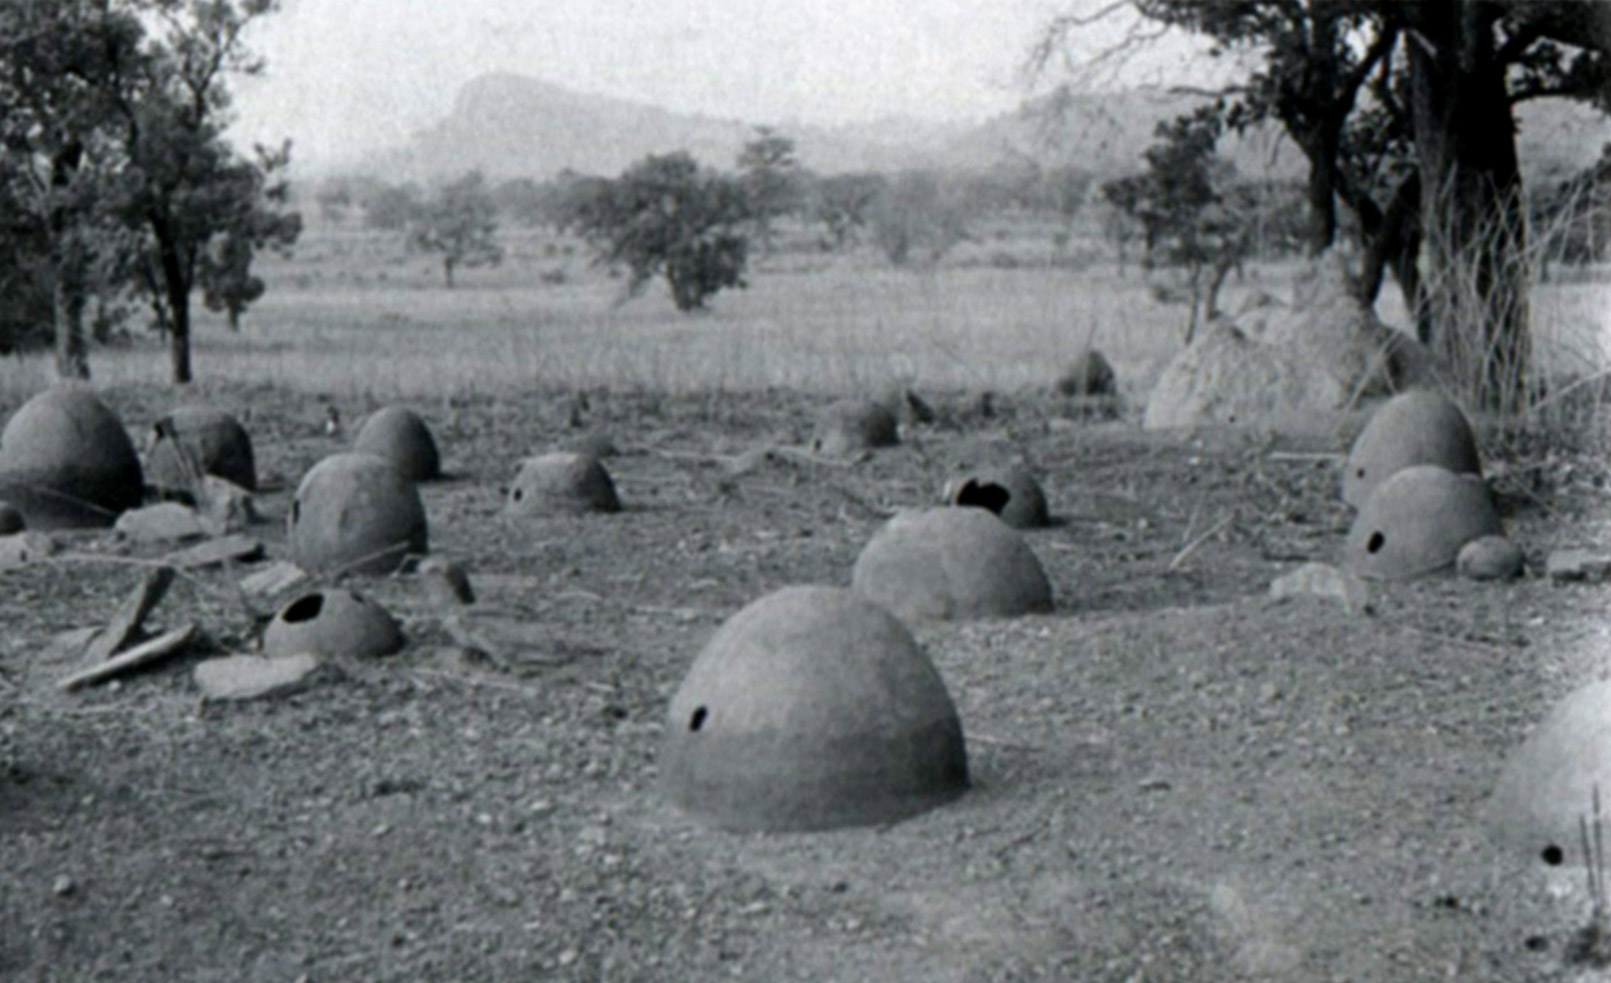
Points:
(511, 125)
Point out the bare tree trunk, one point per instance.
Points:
(1475, 294)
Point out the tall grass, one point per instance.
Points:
(1550, 384)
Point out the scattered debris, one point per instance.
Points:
(1490, 558)
(277, 577)
(248, 677)
(144, 654)
(446, 583)
(125, 624)
(1578, 565)
(1324, 580)
(237, 548)
(225, 507)
(164, 522)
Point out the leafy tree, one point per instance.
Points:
(460, 223)
(182, 184)
(667, 216)
(393, 208)
(769, 174)
(64, 67)
(917, 211)
(843, 204)
(225, 268)
(1422, 95)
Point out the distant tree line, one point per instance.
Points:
(117, 187)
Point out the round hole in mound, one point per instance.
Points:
(1553, 855)
(698, 719)
(1536, 943)
(1360, 473)
(985, 495)
(518, 494)
(1377, 541)
(304, 608)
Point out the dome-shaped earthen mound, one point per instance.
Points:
(66, 462)
(1013, 494)
(1548, 782)
(1418, 427)
(355, 513)
(1416, 521)
(332, 623)
(210, 439)
(811, 708)
(562, 483)
(951, 563)
(851, 426)
(401, 436)
(1088, 375)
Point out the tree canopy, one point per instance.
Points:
(1404, 112)
(112, 114)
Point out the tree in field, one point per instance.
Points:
(1404, 111)
(391, 208)
(770, 177)
(224, 270)
(917, 211)
(843, 204)
(182, 184)
(112, 123)
(459, 223)
(64, 67)
(667, 216)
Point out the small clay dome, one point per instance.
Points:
(66, 462)
(332, 623)
(355, 513)
(1416, 521)
(213, 439)
(851, 426)
(1088, 375)
(10, 519)
(399, 435)
(1418, 427)
(809, 709)
(951, 563)
(562, 482)
(1013, 494)
(1548, 782)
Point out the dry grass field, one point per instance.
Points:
(1175, 777)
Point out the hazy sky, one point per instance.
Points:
(346, 76)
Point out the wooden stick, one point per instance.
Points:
(141, 655)
(1191, 547)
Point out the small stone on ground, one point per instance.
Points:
(249, 677)
(1323, 580)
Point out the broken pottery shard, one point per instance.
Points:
(1323, 580)
(164, 522)
(1490, 558)
(126, 622)
(225, 507)
(237, 547)
(282, 575)
(23, 548)
(248, 677)
(1577, 564)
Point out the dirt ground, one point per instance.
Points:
(1175, 777)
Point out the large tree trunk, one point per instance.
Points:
(1475, 292)
(176, 283)
(72, 352)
